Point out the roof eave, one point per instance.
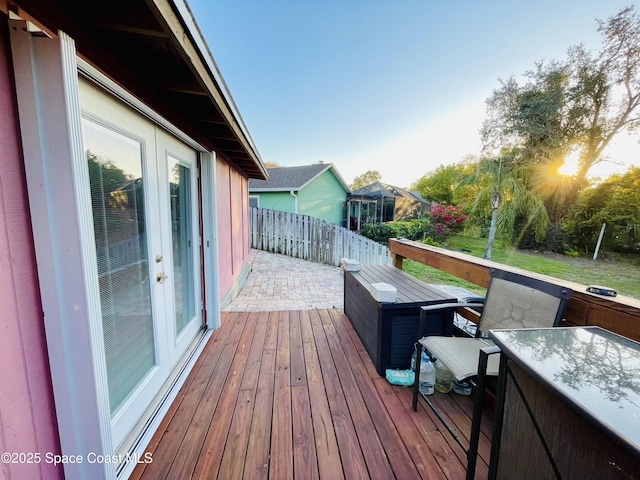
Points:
(154, 50)
(336, 174)
(234, 114)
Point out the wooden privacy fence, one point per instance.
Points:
(308, 238)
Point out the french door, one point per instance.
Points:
(143, 185)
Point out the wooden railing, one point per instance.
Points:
(302, 236)
(619, 314)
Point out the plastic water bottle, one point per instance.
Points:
(461, 388)
(444, 378)
(427, 375)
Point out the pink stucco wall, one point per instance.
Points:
(27, 414)
(233, 224)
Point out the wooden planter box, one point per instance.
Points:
(390, 330)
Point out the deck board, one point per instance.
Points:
(206, 436)
(191, 405)
(373, 451)
(256, 462)
(324, 432)
(399, 459)
(352, 457)
(305, 462)
(293, 394)
(237, 440)
(281, 464)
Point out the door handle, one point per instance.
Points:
(161, 277)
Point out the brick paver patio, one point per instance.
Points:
(279, 282)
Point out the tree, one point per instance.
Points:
(441, 184)
(607, 87)
(367, 178)
(578, 105)
(616, 202)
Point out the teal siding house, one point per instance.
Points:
(317, 190)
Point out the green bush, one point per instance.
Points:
(443, 221)
(614, 202)
(410, 229)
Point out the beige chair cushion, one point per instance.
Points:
(460, 355)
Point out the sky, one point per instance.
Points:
(397, 86)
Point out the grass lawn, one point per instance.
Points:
(621, 272)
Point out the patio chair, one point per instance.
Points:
(512, 301)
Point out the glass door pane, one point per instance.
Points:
(117, 198)
(144, 194)
(182, 242)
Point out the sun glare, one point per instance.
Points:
(571, 165)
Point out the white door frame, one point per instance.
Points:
(106, 114)
(46, 72)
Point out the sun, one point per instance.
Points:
(571, 164)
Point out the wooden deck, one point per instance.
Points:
(293, 394)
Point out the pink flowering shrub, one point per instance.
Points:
(436, 226)
(446, 220)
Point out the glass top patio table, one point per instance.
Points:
(592, 369)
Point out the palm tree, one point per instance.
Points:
(504, 186)
(495, 206)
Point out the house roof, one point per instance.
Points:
(294, 178)
(384, 190)
(155, 50)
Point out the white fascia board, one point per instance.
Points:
(274, 190)
(189, 21)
